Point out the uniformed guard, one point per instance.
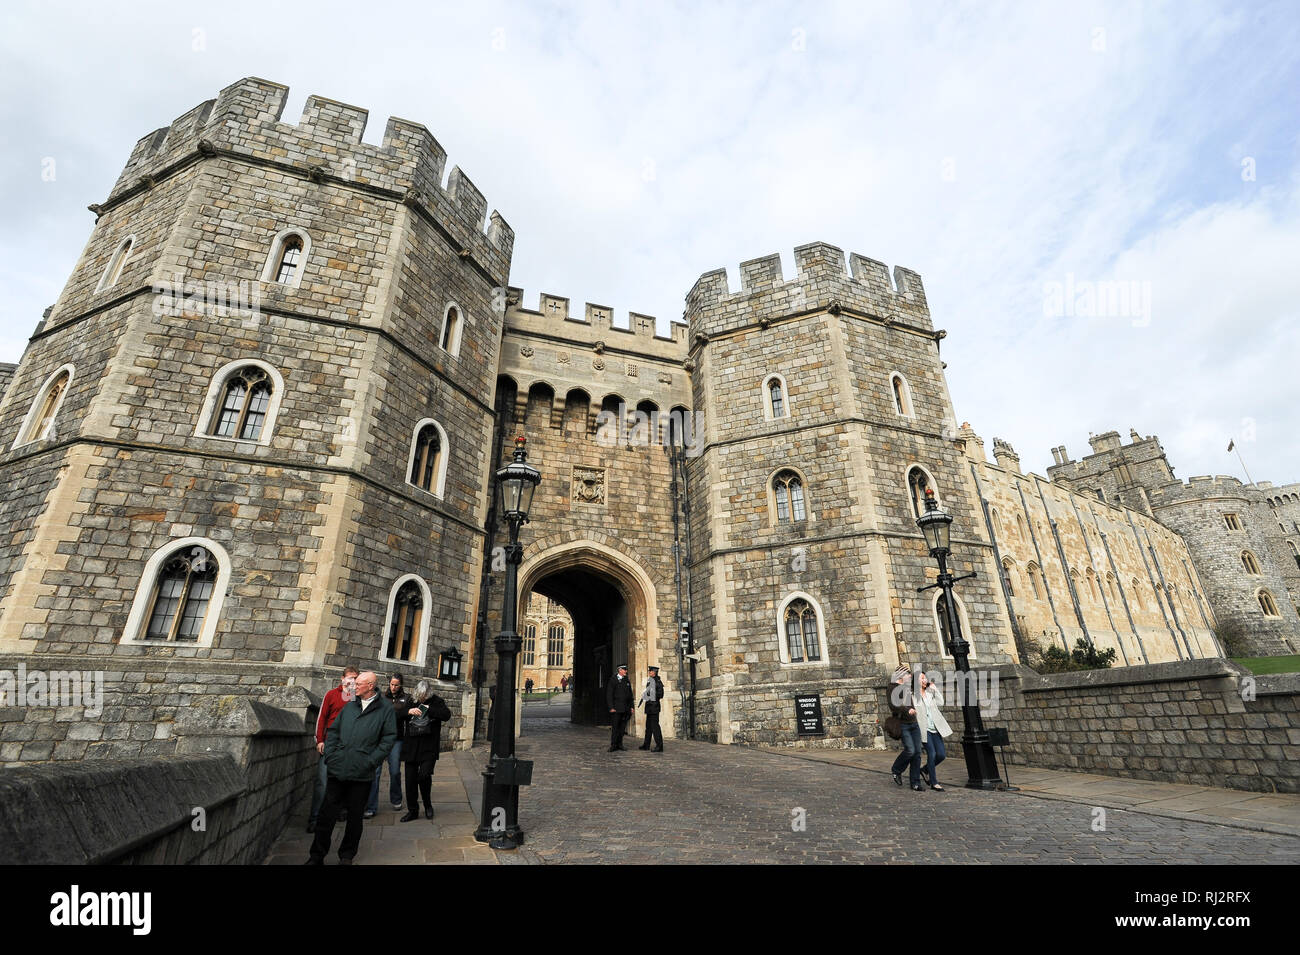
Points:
(650, 696)
(619, 697)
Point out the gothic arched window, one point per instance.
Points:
(788, 489)
(286, 260)
(918, 482)
(114, 269)
(1268, 604)
(803, 642)
(555, 646)
(427, 459)
(244, 403)
(449, 338)
(530, 645)
(902, 393)
(39, 423)
(405, 618)
(181, 595)
(776, 397)
(1250, 563)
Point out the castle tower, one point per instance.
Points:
(1235, 539)
(247, 445)
(826, 416)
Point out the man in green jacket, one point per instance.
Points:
(358, 741)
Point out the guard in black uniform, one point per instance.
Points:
(619, 695)
(650, 696)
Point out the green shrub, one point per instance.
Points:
(1054, 659)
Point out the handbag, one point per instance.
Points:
(419, 725)
(894, 727)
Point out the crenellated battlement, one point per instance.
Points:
(1204, 486)
(823, 278)
(325, 145)
(595, 325)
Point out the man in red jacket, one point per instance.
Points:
(330, 707)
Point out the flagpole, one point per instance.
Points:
(1232, 442)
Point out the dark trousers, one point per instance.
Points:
(935, 753)
(617, 727)
(911, 754)
(341, 795)
(423, 780)
(652, 730)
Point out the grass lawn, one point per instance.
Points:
(1261, 665)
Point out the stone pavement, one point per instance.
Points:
(1263, 812)
(446, 840)
(703, 803)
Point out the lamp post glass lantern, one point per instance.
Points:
(449, 665)
(981, 763)
(499, 819)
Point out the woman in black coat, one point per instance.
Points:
(420, 748)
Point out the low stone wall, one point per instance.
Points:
(1183, 722)
(138, 701)
(240, 766)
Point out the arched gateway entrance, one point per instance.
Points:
(612, 602)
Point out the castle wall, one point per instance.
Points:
(1102, 573)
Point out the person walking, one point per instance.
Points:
(358, 741)
(330, 708)
(650, 696)
(424, 719)
(400, 701)
(935, 728)
(619, 697)
(904, 707)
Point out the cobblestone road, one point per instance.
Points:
(702, 803)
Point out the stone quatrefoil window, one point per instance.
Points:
(803, 642)
(244, 404)
(181, 597)
(788, 489)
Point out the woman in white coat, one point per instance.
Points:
(933, 728)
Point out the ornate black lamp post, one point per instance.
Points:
(499, 820)
(981, 762)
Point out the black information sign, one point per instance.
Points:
(808, 714)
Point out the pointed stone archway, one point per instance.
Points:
(615, 612)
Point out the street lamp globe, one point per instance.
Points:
(935, 525)
(516, 483)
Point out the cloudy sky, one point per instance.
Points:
(1022, 157)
